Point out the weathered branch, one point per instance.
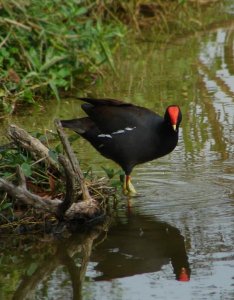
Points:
(21, 193)
(73, 160)
(31, 144)
(22, 179)
(65, 209)
(83, 210)
(72, 187)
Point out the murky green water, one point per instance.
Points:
(185, 219)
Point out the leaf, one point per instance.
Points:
(26, 168)
(64, 72)
(81, 11)
(59, 148)
(53, 155)
(33, 57)
(181, 2)
(52, 62)
(5, 206)
(32, 268)
(109, 172)
(116, 183)
(108, 55)
(55, 90)
(74, 137)
(7, 174)
(28, 96)
(2, 92)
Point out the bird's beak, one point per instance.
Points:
(174, 127)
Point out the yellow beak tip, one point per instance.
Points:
(174, 126)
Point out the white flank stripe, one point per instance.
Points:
(119, 131)
(105, 135)
(129, 128)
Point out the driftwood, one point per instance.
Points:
(24, 140)
(73, 207)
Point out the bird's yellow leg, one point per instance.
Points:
(128, 188)
(125, 190)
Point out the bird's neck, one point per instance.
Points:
(168, 137)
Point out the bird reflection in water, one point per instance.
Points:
(141, 244)
(130, 245)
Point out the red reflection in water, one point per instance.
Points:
(184, 275)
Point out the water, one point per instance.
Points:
(185, 216)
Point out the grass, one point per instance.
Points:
(51, 47)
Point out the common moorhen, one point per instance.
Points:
(126, 133)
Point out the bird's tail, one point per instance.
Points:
(80, 126)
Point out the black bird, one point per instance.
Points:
(126, 133)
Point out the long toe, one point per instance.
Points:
(131, 189)
(128, 188)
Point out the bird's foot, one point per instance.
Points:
(130, 194)
(128, 188)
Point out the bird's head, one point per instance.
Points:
(173, 116)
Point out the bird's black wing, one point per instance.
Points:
(111, 115)
(105, 101)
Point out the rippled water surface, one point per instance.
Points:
(184, 220)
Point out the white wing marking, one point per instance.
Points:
(120, 131)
